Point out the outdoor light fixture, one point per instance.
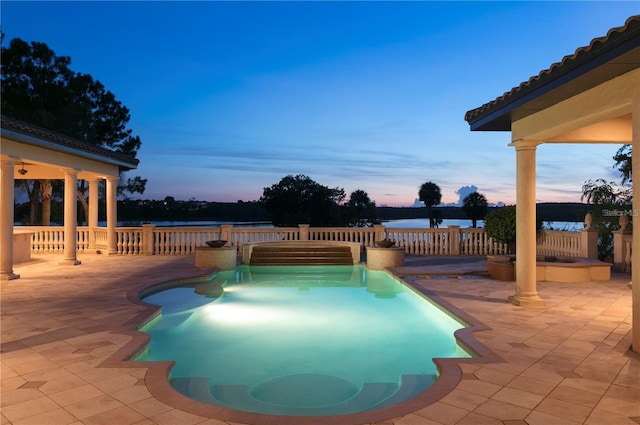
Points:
(22, 171)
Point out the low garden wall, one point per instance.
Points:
(551, 268)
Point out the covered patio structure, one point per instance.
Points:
(591, 96)
(30, 152)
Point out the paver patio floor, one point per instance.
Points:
(567, 362)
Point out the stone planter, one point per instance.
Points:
(223, 258)
(22, 246)
(501, 267)
(382, 258)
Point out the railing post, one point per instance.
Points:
(619, 247)
(618, 250)
(454, 240)
(379, 232)
(589, 243)
(304, 232)
(225, 233)
(92, 221)
(148, 247)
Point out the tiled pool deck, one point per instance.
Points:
(566, 362)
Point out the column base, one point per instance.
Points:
(526, 300)
(112, 252)
(9, 276)
(70, 262)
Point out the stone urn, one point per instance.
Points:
(216, 244)
(385, 243)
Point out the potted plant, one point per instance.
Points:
(500, 225)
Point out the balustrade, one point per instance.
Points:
(151, 240)
(555, 242)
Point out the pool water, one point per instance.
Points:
(293, 340)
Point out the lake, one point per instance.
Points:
(392, 224)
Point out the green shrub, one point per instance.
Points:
(500, 225)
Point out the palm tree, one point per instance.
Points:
(601, 192)
(362, 209)
(430, 195)
(475, 207)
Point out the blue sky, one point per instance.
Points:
(229, 97)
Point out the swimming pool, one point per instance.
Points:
(300, 341)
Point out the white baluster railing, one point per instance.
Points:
(151, 240)
(556, 242)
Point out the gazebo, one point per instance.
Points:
(30, 152)
(591, 96)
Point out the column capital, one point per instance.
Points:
(523, 144)
(70, 171)
(11, 160)
(112, 178)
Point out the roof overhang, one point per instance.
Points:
(604, 59)
(48, 153)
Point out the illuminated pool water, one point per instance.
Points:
(288, 340)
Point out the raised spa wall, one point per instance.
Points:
(222, 258)
(247, 249)
(551, 269)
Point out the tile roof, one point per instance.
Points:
(63, 141)
(619, 41)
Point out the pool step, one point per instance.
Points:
(371, 396)
(196, 388)
(410, 386)
(326, 255)
(239, 397)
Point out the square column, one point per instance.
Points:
(92, 220)
(70, 218)
(6, 220)
(112, 215)
(526, 292)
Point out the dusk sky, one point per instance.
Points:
(229, 97)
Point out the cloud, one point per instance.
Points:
(465, 191)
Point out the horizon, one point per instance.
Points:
(230, 97)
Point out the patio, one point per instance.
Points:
(566, 362)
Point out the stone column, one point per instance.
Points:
(635, 241)
(70, 218)
(112, 215)
(6, 219)
(92, 220)
(526, 292)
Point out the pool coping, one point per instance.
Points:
(158, 372)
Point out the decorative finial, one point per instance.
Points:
(623, 221)
(588, 221)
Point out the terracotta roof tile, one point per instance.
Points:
(62, 140)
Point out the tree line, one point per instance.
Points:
(40, 88)
(136, 212)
